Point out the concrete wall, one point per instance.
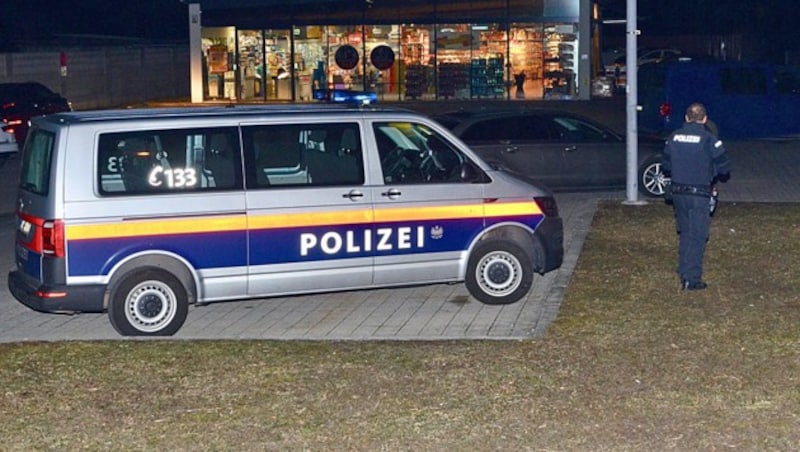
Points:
(105, 77)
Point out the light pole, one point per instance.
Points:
(631, 104)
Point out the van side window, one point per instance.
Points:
(415, 154)
(300, 155)
(743, 81)
(165, 161)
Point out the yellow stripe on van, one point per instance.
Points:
(156, 227)
(504, 209)
(196, 225)
(293, 220)
(429, 213)
(456, 212)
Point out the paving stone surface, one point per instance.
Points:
(762, 171)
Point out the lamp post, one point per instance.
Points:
(631, 104)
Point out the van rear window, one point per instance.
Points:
(166, 161)
(37, 161)
(787, 81)
(743, 81)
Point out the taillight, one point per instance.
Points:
(665, 109)
(53, 238)
(547, 204)
(47, 237)
(9, 125)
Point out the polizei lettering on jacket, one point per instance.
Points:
(385, 239)
(683, 138)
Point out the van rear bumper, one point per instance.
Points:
(550, 235)
(83, 298)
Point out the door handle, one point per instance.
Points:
(353, 195)
(512, 149)
(571, 148)
(392, 193)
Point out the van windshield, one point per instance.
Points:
(37, 157)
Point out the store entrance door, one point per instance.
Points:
(251, 61)
(264, 65)
(278, 64)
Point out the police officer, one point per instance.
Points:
(693, 157)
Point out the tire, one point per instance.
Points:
(499, 272)
(148, 302)
(652, 180)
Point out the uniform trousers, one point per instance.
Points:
(693, 222)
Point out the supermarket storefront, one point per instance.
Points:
(252, 50)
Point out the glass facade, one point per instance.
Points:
(459, 56)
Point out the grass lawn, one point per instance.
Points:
(631, 363)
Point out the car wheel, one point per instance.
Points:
(652, 180)
(499, 272)
(149, 302)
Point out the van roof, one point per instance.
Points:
(244, 111)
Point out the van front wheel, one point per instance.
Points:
(499, 272)
(148, 302)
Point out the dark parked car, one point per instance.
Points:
(19, 102)
(8, 146)
(561, 150)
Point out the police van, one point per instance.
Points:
(141, 213)
(744, 99)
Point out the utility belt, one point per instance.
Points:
(696, 190)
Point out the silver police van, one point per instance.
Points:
(142, 213)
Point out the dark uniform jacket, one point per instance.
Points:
(693, 157)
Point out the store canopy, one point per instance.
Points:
(230, 4)
(283, 13)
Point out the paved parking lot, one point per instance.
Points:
(763, 171)
(442, 311)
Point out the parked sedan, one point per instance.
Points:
(561, 150)
(19, 102)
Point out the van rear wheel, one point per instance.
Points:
(499, 272)
(148, 302)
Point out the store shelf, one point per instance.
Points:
(560, 65)
(416, 80)
(454, 80)
(487, 77)
(526, 53)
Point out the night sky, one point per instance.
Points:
(779, 17)
(32, 20)
(771, 25)
(774, 21)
